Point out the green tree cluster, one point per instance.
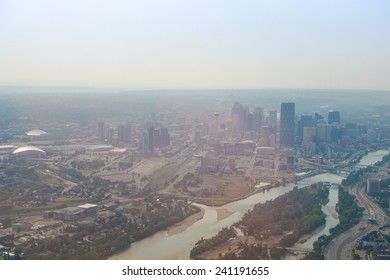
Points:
(105, 237)
(298, 212)
(205, 244)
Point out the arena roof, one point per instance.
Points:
(27, 149)
(36, 132)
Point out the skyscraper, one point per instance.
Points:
(102, 132)
(305, 121)
(249, 122)
(164, 136)
(287, 124)
(121, 133)
(145, 148)
(272, 121)
(127, 136)
(151, 140)
(238, 118)
(258, 119)
(333, 117)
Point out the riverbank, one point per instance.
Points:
(186, 223)
(286, 225)
(164, 246)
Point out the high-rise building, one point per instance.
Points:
(309, 134)
(333, 117)
(324, 133)
(145, 147)
(102, 132)
(351, 130)
(121, 133)
(249, 122)
(127, 136)
(156, 137)
(110, 136)
(151, 139)
(338, 133)
(305, 121)
(245, 114)
(164, 137)
(238, 118)
(258, 119)
(287, 124)
(272, 121)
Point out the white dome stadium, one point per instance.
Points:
(36, 132)
(29, 152)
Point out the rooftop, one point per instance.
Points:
(36, 132)
(27, 149)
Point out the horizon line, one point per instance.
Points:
(122, 88)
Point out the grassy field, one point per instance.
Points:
(228, 187)
(30, 211)
(164, 174)
(71, 201)
(49, 179)
(86, 172)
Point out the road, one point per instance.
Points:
(341, 247)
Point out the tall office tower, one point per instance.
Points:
(237, 115)
(216, 125)
(287, 124)
(351, 130)
(121, 133)
(338, 133)
(249, 122)
(245, 114)
(258, 119)
(156, 137)
(124, 133)
(111, 132)
(151, 139)
(333, 117)
(102, 132)
(324, 133)
(273, 121)
(127, 135)
(305, 121)
(309, 134)
(164, 136)
(145, 147)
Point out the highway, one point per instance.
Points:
(341, 247)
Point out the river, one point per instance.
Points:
(161, 245)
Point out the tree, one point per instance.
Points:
(7, 222)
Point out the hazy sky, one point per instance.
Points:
(196, 43)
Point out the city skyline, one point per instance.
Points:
(133, 168)
(196, 44)
(194, 130)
